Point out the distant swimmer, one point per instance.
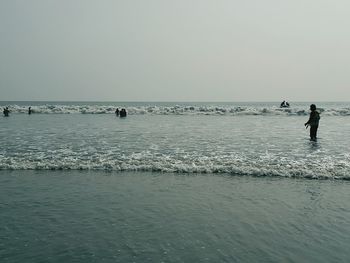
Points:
(30, 110)
(313, 122)
(6, 112)
(117, 112)
(122, 113)
(284, 104)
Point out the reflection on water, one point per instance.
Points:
(314, 145)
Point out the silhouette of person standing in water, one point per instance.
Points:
(30, 110)
(6, 112)
(117, 112)
(313, 122)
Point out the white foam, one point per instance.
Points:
(176, 110)
(322, 168)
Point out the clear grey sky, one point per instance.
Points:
(178, 50)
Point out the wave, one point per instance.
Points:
(320, 168)
(177, 110)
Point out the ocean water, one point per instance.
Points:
(95, 216)
(173, 182)
(240, 139)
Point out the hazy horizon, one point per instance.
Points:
(198, 51)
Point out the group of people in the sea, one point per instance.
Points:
(120, 113)
(284, 104)
(312, 122)
(6, 111)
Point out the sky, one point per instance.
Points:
(183, 50)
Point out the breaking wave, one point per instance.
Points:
(269, 165)
(177, 145)
(177, 110)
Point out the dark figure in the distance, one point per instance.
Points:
(122, 113)
(30, 110)
(313, 122)
(6, 112)
(117, 112)
(284, 104)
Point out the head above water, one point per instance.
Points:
(312, 107)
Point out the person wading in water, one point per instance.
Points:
(313, 122)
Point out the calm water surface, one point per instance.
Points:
(56, 216)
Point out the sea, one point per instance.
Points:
(174, 182)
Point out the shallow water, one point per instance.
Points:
(91, 216)
(259, 145)
(168, 183)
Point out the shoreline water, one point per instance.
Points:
(192, 209)
(81, 216)
(246, 145)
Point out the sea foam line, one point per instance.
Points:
(176, 110)
(327, 168)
